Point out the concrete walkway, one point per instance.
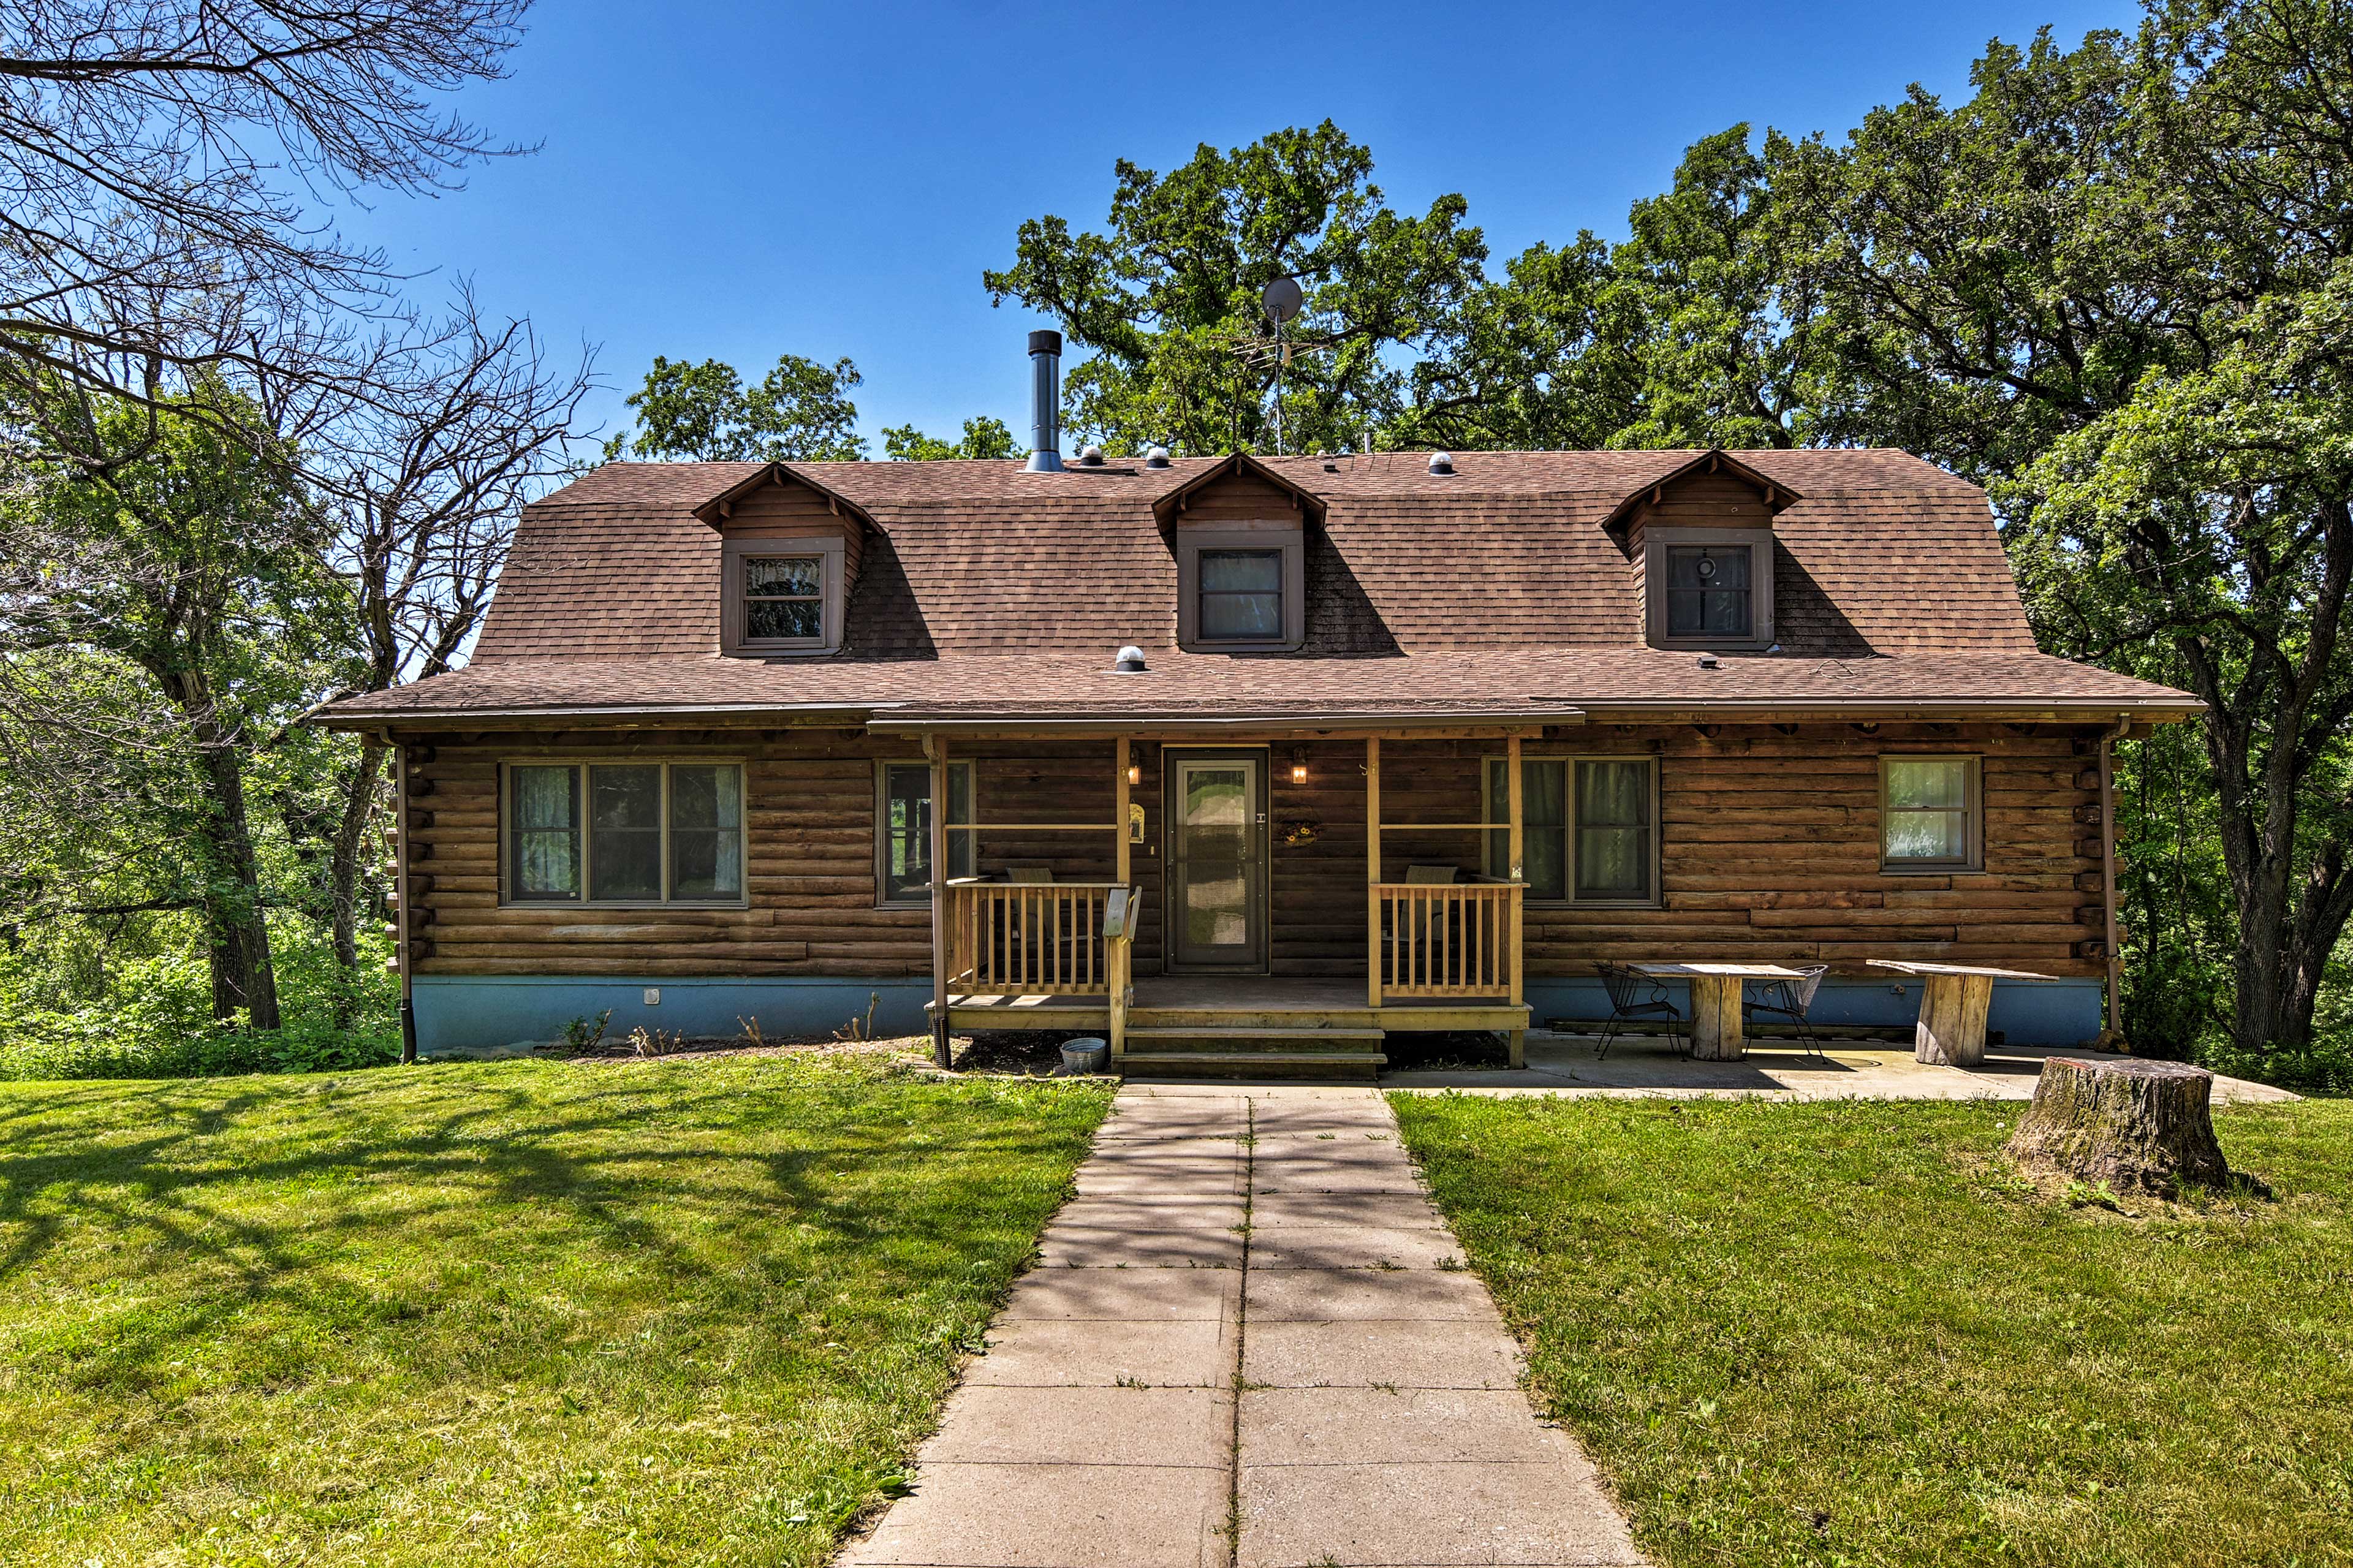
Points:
(1250, 1340)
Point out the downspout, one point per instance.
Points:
(2108, 873)
(401, 913)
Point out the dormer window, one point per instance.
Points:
(1708, 592)
(1708, 587)
(1241, 595)
(784, 597)
(1243, 589)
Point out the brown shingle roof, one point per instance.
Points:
(1518, 682)
(1501, 571)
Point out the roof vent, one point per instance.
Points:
(1709, 661)
(1091, 456)
(1157, 458)
(1130, 662)
(1442, 462)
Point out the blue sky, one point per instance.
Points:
(738, 180)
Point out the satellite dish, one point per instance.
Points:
(1282, 299)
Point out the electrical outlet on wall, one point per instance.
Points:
(653, 996)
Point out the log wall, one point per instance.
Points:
(1769, 849)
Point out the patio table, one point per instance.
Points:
(1954, 999)
(1716, 1001)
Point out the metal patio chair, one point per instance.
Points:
(1627, 1002)
(1788, 1001)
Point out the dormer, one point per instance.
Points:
(790, 552)
(1700, 541)
(1239, 535)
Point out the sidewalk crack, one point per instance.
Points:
(1233, 1528)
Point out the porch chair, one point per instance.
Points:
(1431, 876)
(1788, 1001)
(1627, 1002)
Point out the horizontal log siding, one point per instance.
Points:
(808, 866)
(1771, 850)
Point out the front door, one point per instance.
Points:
(1217, 861)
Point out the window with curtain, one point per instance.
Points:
(1928, 812)
(638, 833)
(903, 835)
(784, 598)
(1241, 595)
(1587, 828)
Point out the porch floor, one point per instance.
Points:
(1236, 999)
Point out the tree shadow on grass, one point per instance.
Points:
(259, 1199)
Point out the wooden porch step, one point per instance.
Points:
(1295, 1038)
(1345, 1055)
(1262, 1017)
(1318, 1067)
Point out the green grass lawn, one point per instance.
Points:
(1841, 1335)
(515, 1313)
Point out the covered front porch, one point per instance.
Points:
(1272, 903)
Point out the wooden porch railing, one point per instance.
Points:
(1034, 938)
(1440, 940)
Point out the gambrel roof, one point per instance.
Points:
(1507, 582)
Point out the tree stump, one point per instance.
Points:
(2139, 1126)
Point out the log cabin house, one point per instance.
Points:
(1252, 761)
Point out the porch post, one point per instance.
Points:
(1119, 956)
(1514, 859)
(1119, 812)
(1373, 870)
(1512, 855)
(937, 748)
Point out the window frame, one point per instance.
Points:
(882, 767)
(1496, 810)
(1973, 818)
(1657, 542)
(509, 898)
(1288, 538)
(833, 551)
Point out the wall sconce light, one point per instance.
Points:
(1298, 765)
(1134, 774)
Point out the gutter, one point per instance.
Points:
(2087, 710)
(894, 718)
(1127, 724)
(637, 713)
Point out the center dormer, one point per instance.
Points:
(1701, 544)
(1239, 535)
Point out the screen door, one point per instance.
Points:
(1216, 862)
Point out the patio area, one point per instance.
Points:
(1644, 1065)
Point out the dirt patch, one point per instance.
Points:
(1453, 1052)
(1016, 1053)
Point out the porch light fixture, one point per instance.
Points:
(1298, 765)
(1134, 775)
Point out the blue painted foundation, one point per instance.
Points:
(458, 1012)
(462, 1012)
(2054, 1013)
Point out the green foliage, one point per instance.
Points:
(800, 412)
(139, 1006)
(513, 1312)
(1168, 296)
(984, 437)
(1842, 1332)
